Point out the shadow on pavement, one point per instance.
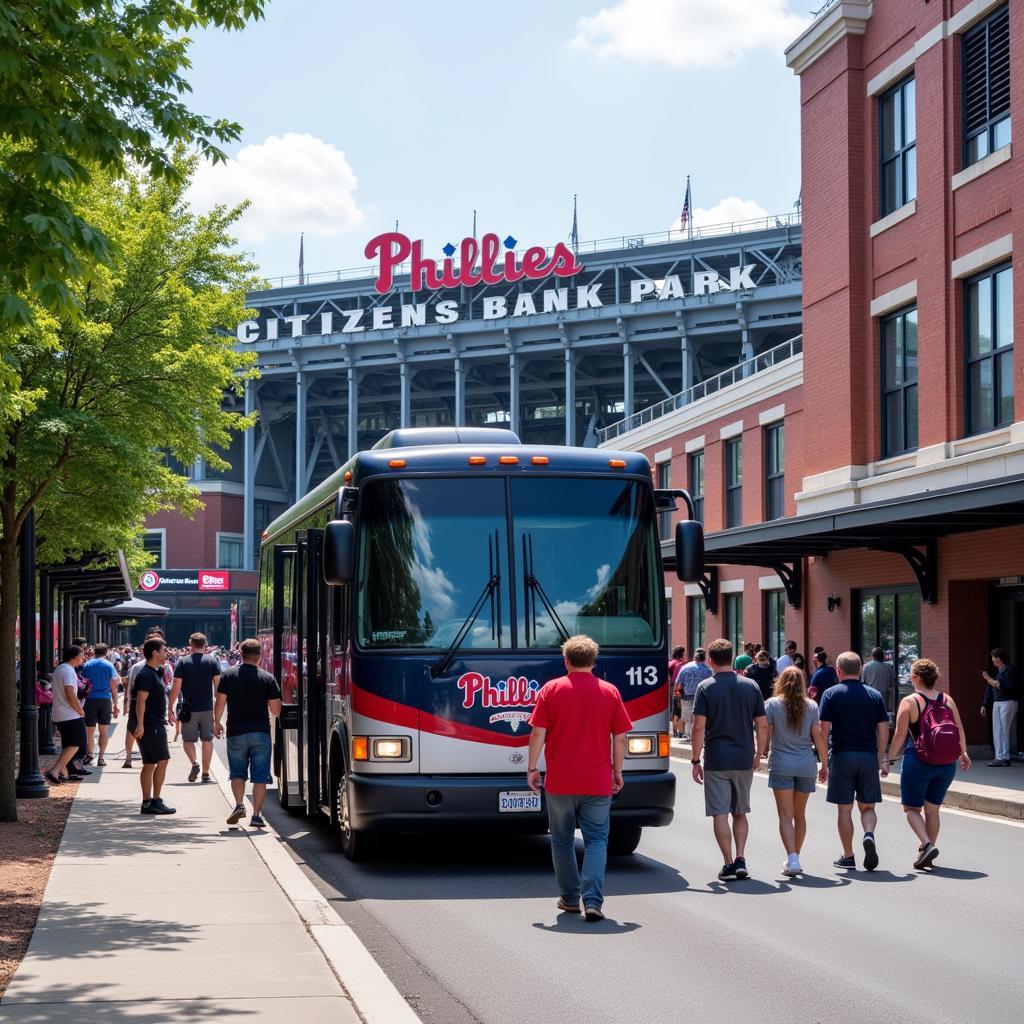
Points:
(956, 873)
(857, 875)
(747, 887)
(806, 881)
(573, 924)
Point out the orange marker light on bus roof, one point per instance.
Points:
(617, 463)
(360, 748)
(396, 463)
(539, 460)
(477, 460)
(348, 476)
(509, 460)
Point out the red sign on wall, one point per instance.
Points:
(213, 580)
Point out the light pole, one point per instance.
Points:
(29, 784)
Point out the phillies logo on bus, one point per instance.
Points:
(514, 692)
(480, 262)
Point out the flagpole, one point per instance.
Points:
(302, 260)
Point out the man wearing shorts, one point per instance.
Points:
(249, 694)
(147, 722)
(727, 711)
(100, 702)
(855, 722)
(69, 717)
(196, 677)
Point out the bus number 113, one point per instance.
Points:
(642, 675)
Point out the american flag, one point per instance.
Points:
(686, 217)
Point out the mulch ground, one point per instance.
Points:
(27, 849)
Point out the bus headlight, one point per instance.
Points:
(640, 746)
(391, 748)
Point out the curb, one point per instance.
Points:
(372, 992)
(979, 803)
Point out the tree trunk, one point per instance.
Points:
(8, 656)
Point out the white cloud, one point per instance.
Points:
(295, 183)
(727, 211)
(688, 33)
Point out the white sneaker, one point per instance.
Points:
(792, 867)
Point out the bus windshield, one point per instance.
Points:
(584, 552)
(587, 561)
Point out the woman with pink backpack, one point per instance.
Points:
(936, 743)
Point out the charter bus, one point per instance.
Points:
(414, 603)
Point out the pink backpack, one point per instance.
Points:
(938, 739)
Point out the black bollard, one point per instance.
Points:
(29, 784)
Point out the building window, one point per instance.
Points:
(664, 518)
(988, 323)
(153, 543)
(899, 382)
(697, 484)
(774, 472)
(733, 483)
(668, 621)
(696, 625)
(734, 622)
(889, 618)
(897, 122)
(986, 91)
(775, 622)
(230, 550)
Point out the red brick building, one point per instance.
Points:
(876, 480)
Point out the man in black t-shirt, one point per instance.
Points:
(196, 677)
(251, 696)
(147, 723)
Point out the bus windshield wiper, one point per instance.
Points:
(532, 589)
(491, 591)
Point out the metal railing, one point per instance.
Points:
(741, 371)
(639, 241)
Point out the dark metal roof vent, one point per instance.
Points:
(425, 437)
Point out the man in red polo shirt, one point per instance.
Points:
(581, 724)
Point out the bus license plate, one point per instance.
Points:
(518, 800)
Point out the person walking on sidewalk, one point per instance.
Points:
(577, 718)
(727, 712)
(196, 677)
(69, 717)
(147, 722)
(937, 743)
(101, 701)
(250, 696)
(675, 663)
(880, 675)
(856, 724)
(786, 661)
(690, 676)
(1001, 696)
(793, 736)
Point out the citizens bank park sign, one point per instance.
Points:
(485, 261)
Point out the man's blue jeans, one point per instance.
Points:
(592, 813)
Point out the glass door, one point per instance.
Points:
(890, 619)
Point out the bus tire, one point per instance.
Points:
(623, 840)
(358, 845)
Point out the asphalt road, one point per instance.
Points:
(467, 928)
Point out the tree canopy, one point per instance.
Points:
(89, 85)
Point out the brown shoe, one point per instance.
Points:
(568, 906)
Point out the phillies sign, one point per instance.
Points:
(514, 692)
(392, 249)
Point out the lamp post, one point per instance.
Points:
(29, 784)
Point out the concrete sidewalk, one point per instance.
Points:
(164, 919)
(985, 790)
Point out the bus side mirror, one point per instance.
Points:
(689, 551)
(339, 553)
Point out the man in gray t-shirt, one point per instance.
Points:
(880, 675)
(727, 709)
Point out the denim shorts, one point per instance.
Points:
(249, 757)
(800, 783)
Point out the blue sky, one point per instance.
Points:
(359, 113)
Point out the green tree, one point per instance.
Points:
(88, 84)
(97, 399)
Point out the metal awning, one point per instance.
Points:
(135, 608)
(908, 526)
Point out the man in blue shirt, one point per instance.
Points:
(855, 724)
(100, 705)
(688, 678)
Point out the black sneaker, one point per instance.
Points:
(101, 762)
(53, 780)
(78, 773)
(147, 808)
(845, 862)
(998, 764)
(741, 868)
(870, 853)
(127, 763)
(257, 820)
(593, 913)
(160, 807)
(87, 759)
(236, 815)
(194, 772)
(728, 873)
(926, 856)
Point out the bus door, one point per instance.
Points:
(284, 621)
(311, 631)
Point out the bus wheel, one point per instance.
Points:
(357, 845)
(623, 839)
